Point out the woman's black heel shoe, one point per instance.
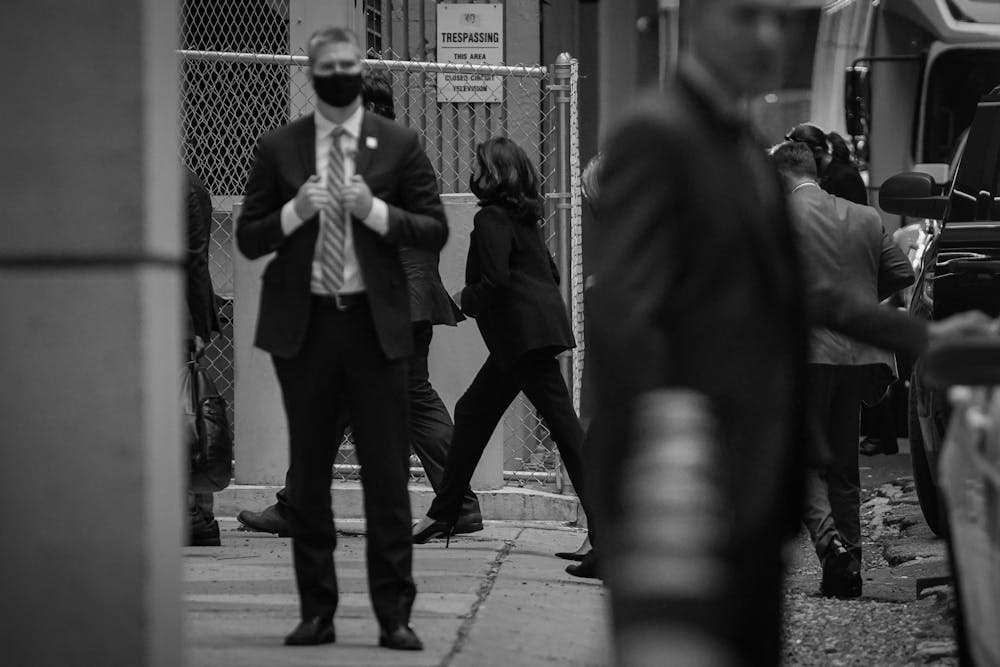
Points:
(427, 529)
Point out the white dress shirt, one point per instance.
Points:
(377, 219)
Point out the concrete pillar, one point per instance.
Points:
(90, 346)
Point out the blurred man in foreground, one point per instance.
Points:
(699, 351)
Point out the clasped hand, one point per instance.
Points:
(355, 196)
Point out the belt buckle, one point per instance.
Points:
(339, 301)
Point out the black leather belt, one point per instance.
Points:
(342, 302)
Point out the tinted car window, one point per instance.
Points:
(956, 81)
(977, 182)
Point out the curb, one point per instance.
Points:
(506, 504)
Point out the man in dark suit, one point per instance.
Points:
(335, 195)
(700, 334)
(202, 321)
(842, 243)
(431, 427)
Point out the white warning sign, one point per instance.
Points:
(470, 34)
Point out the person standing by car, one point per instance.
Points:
(838, 174)
(842, 243)
(835, 169)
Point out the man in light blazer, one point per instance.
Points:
(843, 243)
(334, 195)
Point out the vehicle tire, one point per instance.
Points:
(927, 491)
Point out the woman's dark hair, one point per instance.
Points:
(507, 177)
(839, 149)
(821, 142)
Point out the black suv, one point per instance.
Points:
(959, 271)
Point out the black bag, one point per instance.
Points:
(206, 431)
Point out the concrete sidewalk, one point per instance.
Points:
(498, 597)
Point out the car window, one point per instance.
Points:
(977, 182)
(955, 82)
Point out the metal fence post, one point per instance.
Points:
(564, 80)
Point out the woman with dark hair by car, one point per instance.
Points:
(512, 289)
(838, 174)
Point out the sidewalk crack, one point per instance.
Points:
(485, 588)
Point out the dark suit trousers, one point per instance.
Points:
(833, 495)
(431, 428)
(341, 373)
(480, 409)
(430, 424)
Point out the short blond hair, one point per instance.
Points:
(331, 35)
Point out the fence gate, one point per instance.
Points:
(238, 81)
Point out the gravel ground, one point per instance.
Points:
(821, 631)
(865, 632)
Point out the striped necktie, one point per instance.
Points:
(333, 223)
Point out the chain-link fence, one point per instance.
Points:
(238, 81)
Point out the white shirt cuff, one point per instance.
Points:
(290, 220)
(378, 217)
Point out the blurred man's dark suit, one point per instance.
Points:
(367, 343)
(700, 288)
(843, 243)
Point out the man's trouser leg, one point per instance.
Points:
(431, 428)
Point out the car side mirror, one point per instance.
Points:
(914, 194)
(856, 101)
(936, 170)
(967, 361)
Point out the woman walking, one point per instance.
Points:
(512, 289)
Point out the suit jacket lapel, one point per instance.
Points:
(306, 146)
(367, 144)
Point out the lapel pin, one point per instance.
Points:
(371, 143)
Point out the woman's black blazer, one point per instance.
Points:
(512, 287)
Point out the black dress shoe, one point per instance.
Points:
(401, 638)
(268, 520)
(588, 568)
(571, 555)
(312, 632)
(841, 573)
(427, 529)
(206, 536)
(471, 522)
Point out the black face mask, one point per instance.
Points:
(337, 90)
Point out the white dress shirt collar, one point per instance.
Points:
(325, 126)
